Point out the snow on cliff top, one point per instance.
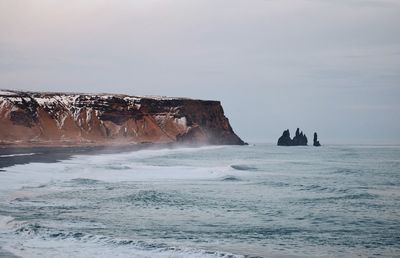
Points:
(6, 92)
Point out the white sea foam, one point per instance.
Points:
(254, 200)
(30, 240)
(107, 167)
(17, 155)
(19, 182)
(40, 248)
(6, 222)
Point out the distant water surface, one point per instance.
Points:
(227, 201)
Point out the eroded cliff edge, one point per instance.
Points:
(62, 119)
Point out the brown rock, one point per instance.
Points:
(40, 119)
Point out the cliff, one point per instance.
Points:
(62, 119)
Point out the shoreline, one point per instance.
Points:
(11, 145)
(19, 155)
(117, 144)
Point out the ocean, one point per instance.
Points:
(259, 200)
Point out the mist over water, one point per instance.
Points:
(227, 201)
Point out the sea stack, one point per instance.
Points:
(315, 141)
(285, 139)
(76, 119)
(300, 139)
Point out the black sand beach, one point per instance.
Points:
(10, 156)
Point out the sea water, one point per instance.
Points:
(228, 201)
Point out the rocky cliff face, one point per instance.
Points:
(32, 118)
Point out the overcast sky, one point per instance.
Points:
(327, 65)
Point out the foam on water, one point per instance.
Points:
(17, 155)
(109, 168)
(6, 222)
(34, 243)
(224, 201)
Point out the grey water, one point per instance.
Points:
(227, 201)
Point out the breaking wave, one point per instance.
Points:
(37, 242)
(231, 178)
(244, 167)
(17, 155)
(254, 201)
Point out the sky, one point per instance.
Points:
(331, 66)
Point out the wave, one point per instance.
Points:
(17, 155)
(84, 181)
(348, 171)
(361, 196)
(38, 241)
(6, 222)
(150, 153)
(322, 189)
(231, 178)
(244, 167)
(278, 184)
(117, 167)
(152, 198)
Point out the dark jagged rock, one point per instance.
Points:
(300, 139)
(316, 142)
(285, 139)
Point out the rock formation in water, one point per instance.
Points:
(300, 139)
(285, 139)
(62, 119)
(315, 141)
